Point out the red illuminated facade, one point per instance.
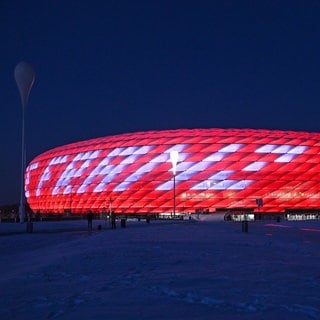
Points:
(217, 169)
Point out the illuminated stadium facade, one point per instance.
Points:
(218, 170)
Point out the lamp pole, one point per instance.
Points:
(174, 195)
(174, 157)
(110, 211)
(24, 76)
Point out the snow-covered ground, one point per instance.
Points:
(162, 270)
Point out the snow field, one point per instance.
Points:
(162, 270)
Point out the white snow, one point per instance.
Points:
(161, 270)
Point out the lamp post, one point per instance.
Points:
(174, 157)
(110, 212)
(24, 76)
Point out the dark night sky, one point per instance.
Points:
(109, 67)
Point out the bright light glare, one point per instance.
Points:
(174, 158)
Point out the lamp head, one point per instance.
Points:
(24, 76)
(174, 158)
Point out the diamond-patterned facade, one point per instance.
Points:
(217, 169)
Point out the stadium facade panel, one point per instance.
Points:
(218, 169)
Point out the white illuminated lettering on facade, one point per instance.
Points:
(219, 180)
(130, 154)
(33, 166)
(47, 172)
(108, 169)
(164, 157)
(75, 170)
(196, 167)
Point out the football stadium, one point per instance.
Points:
(185, 171)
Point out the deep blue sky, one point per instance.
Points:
(108, 67)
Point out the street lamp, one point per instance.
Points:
(24, 76)
(174, 158)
